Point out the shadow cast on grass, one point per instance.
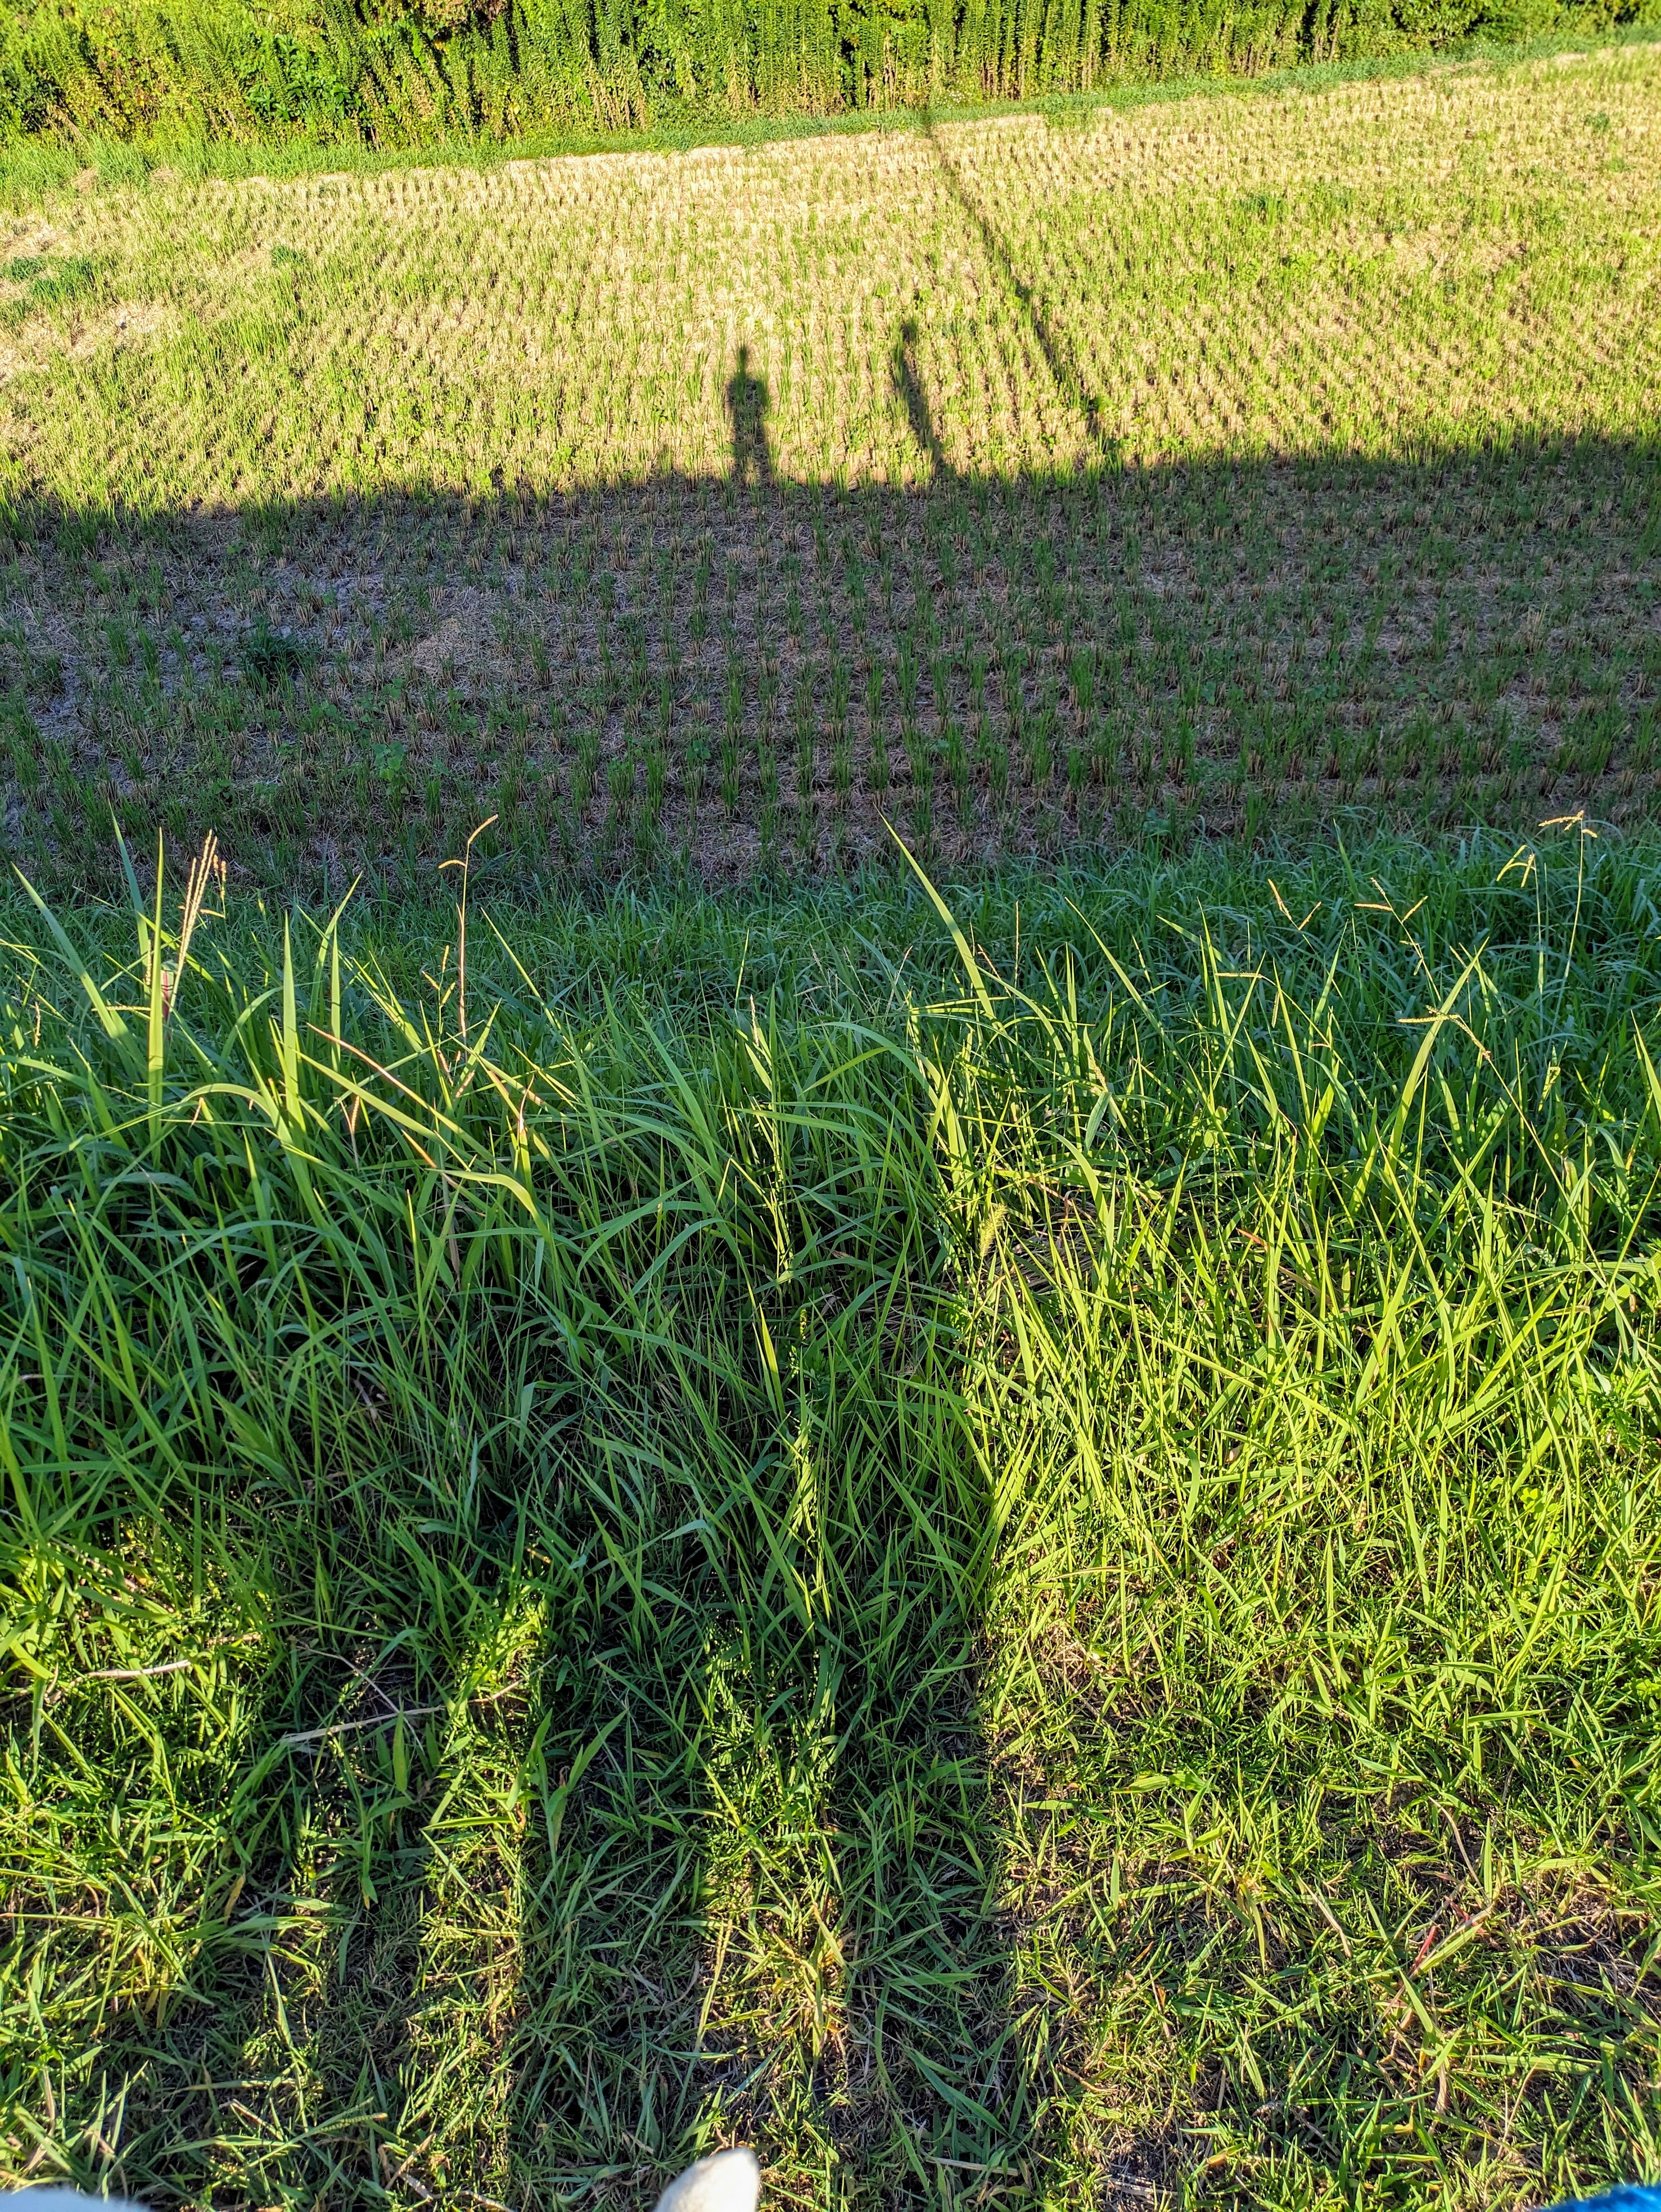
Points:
(652, 1803)
(675, 1592)
(591, 1649)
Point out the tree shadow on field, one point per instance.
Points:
(744, 677)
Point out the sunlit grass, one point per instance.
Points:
(1022, 1563)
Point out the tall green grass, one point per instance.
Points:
(412, 73)
(1010, 1546)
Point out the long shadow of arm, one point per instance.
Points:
(908, 385)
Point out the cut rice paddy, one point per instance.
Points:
(1246, 461)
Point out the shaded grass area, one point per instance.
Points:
(1025, 1569)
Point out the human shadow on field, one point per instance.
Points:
(747, 404)
(908, 386)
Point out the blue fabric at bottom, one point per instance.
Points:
(1635, 2197)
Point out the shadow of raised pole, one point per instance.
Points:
(1062, 362)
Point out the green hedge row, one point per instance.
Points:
(407, 72)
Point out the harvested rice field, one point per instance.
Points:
(1214, 467)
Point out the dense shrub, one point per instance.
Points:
(408, 71)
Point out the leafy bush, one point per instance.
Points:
(407, 71)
